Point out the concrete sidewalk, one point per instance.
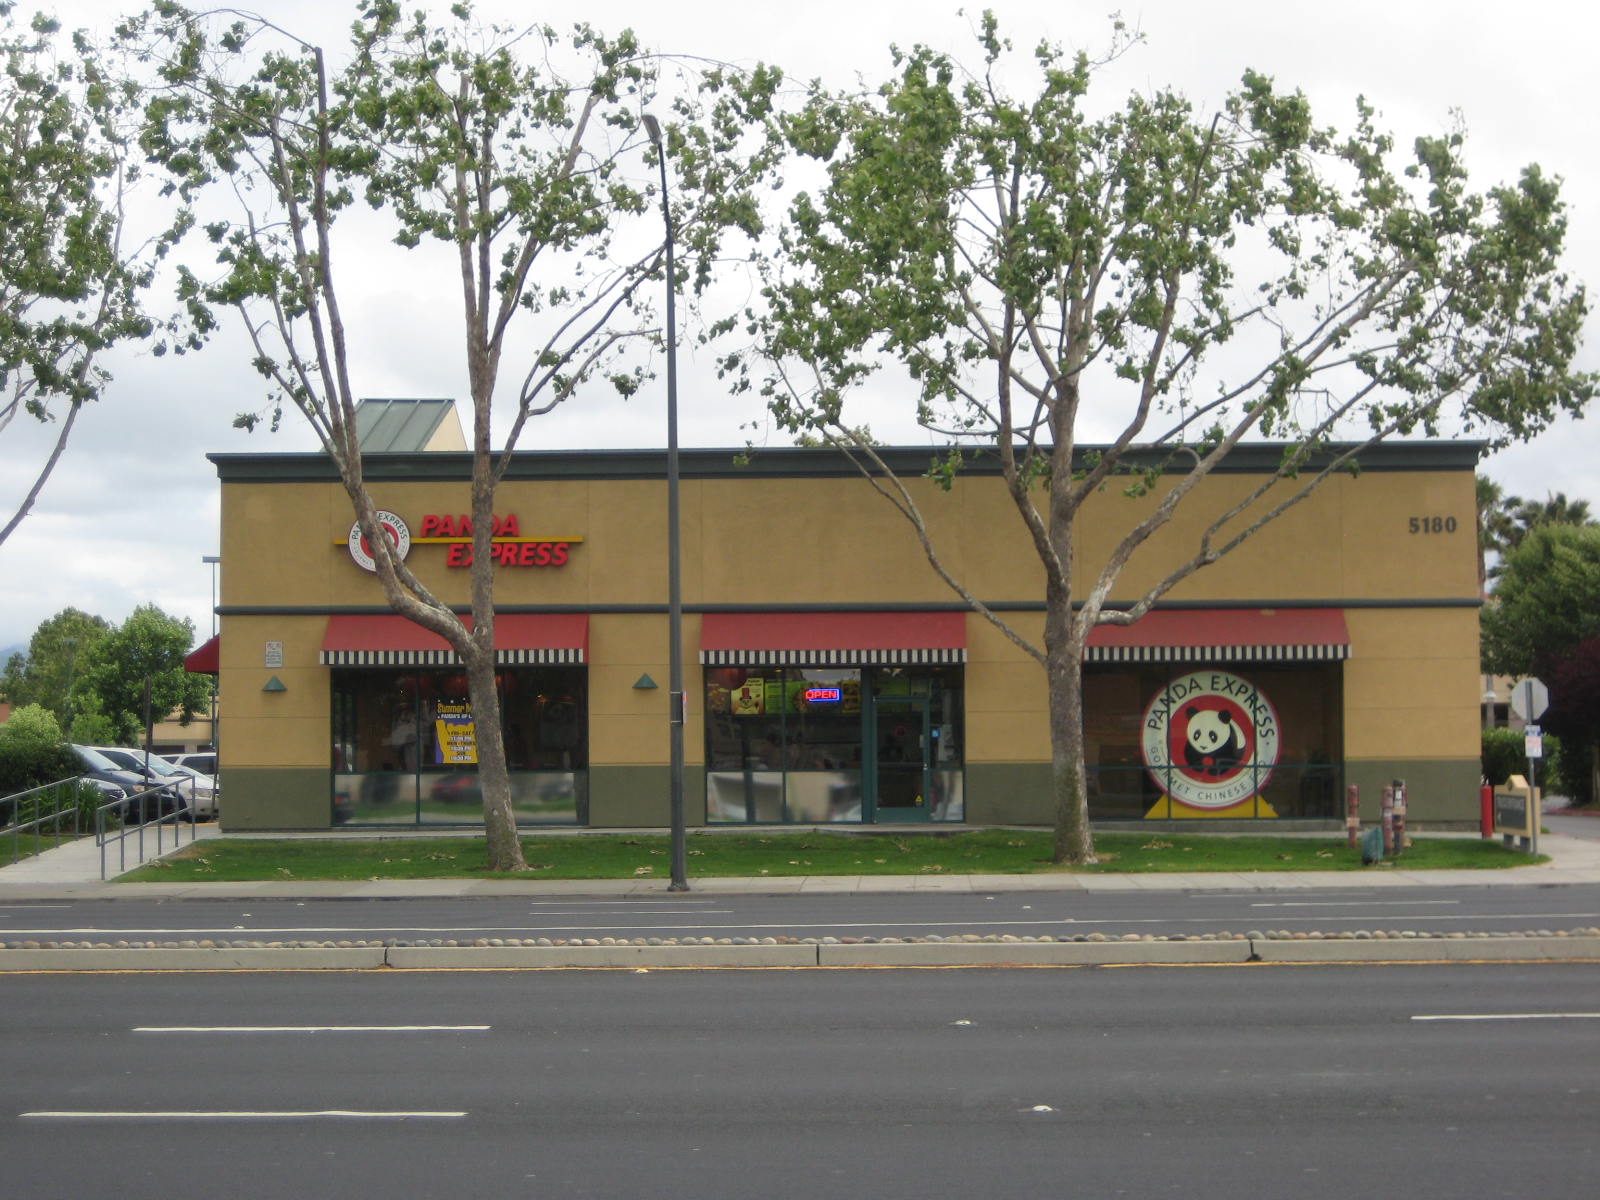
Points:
(74, 872)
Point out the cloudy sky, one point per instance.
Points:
(133, 508)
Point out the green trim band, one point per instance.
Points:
(802, 462)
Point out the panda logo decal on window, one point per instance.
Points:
(1210, 739)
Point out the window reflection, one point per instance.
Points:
(405, 746)
(790, 744)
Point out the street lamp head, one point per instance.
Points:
(653, 128)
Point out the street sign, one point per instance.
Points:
(1533, 742)
(1529, 699)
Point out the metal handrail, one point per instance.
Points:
(21, 801)
(117, 809)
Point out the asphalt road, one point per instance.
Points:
(1422, 1081)
(1468, 909)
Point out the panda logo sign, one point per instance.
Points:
(1210, 739)
(399, 534)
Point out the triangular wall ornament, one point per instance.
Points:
(645, 683)
(274, 685)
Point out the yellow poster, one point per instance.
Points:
(456, 733)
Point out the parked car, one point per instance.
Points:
(203, 761)
(198, 790)
(207, 795)
(96, 766)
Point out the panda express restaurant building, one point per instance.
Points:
(831, 676)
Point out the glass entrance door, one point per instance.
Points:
(899, 769)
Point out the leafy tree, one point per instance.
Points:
(137, 670)
(1546, 600)
(1495, 523)
(520, 152)
(32, 723)
(1045, 268)
(46, 673)
(1554, 509)
(1544, 620)
(71, 279)
(32, 754)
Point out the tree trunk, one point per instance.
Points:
(1069, 776)
(504, 848)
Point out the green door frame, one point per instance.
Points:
(873, 707)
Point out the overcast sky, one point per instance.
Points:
(132, 510)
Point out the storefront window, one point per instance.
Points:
(405, 746)
(1246, 741)
(823, 745)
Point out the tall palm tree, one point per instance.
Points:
(1496, 524)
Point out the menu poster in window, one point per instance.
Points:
(749, 698)
(456, 733)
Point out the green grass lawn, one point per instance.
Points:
(623, 856)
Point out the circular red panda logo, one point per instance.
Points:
(1210, 739)
(399, 537)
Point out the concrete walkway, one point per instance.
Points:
(74, 872)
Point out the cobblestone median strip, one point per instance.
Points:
(1282, 946)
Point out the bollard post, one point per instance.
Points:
(1399, 815)
(1352, 814)
(1486, 810)
(1388, 822)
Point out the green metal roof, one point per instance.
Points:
(399, 426)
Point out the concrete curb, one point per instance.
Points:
(1469, 949)
(951, 954)
(1234, 951)
(177, 958)
(438, 958)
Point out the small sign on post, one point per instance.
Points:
(1533, 742)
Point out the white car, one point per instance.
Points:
(206, 792)
(204, 761)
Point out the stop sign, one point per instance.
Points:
(1529, 699)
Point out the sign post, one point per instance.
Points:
(1529, 698)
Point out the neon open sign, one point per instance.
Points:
(822, 695)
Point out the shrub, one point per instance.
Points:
(25, 764)
(1502, 755)
(32, 724)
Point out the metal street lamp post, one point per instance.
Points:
(676, 701)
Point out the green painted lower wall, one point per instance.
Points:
(275, 798)
(624, 797)
(1009, 794)
(1438, 791)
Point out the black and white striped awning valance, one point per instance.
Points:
(388, 640)
(833, 639)
(448, 658)
(1215, 654)
(943, 656)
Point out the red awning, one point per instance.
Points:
(1225, 635)
(832, 639)
(203, 659)
(390, 640)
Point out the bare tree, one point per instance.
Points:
(518, 150)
